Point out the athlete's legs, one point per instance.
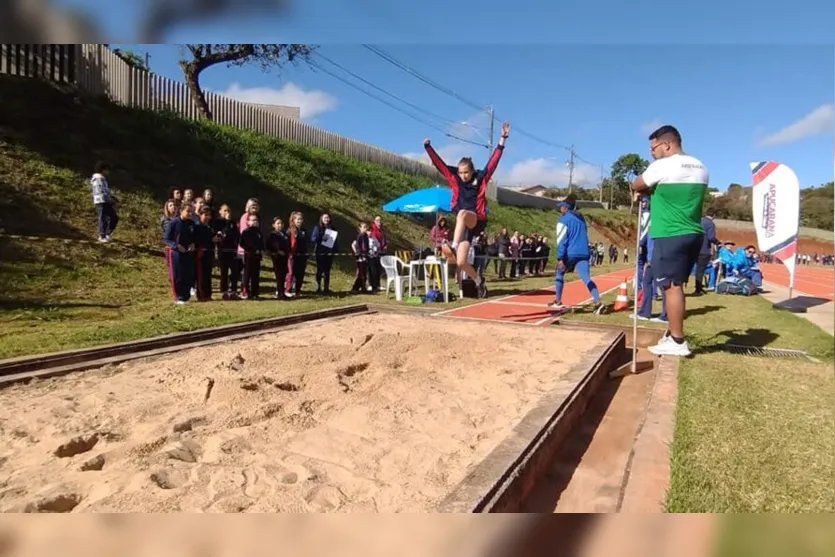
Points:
(462, 254)
(463, 221)
(559, 282)
(582, 268)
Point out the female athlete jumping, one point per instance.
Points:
(469, 202)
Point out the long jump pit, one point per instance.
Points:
(380, 412)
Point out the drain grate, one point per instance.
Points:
(762, 352)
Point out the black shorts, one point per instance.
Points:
(673, 258)
(472, 233)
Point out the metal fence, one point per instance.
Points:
(97, 70)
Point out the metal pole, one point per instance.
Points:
(634, 367)
(492, 127)
(570, 167)
(601, 184)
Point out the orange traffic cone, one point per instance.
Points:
(622, 300)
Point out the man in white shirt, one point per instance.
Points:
(677, 184)
(103, 200)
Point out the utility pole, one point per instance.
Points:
(492, 114)
(147, 60)
(570, 167)
(602, 181)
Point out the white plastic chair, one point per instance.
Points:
(390, 265)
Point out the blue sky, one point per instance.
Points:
(732, 104)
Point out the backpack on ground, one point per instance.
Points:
(728, 286)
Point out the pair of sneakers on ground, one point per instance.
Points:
(449, 250)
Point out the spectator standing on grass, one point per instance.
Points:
(360, 247)
(706, 254)
(104, 201)
(297, 241)
(647, 279)
(375, 268)
(324, 253)
(251, 208)
(179, 239)
(230, 234)
(278, 249)
(209, 199)
(502, 251)
(677, 183)
(204, 242)
(252, 242)
(439, 234)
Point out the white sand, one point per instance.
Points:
(379, 413)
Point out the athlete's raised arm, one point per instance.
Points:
(496, 156)
(436, 159)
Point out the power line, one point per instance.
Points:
(390, 59)
(378, 88)
(387, 103)
(429, 81)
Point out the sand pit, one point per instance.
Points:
(373, 413)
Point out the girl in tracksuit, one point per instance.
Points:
(298, 253)
(204, 240)
(252, 242)
(179, 239)
(169, 212)
(647, 287)
(362, 248)
(229, 234)
(324, 254)
(252, 208)
(277, 247)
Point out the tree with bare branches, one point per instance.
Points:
(198, 57)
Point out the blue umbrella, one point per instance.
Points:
(426, 200)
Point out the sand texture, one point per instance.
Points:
(375, 413)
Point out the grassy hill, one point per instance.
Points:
(49, 140)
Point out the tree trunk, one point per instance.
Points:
(192, 76)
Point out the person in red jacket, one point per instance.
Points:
(469, 202)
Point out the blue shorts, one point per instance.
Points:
(673, 258)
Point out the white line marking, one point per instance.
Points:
(488, 319)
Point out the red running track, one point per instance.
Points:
(531, 307)
(813, 280)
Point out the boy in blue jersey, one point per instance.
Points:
(573, 253)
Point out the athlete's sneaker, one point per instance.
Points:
(558, 306)
(600, 309)
(449, 252)
(668, 347)
(481, 287)
(658, 320)
(638, 317)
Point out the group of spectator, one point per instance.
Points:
(200, 234)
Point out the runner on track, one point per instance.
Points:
(469, 202)
(573, 253)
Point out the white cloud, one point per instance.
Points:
(548, 172)
(311, 103)
(819, 121)
(649, 127)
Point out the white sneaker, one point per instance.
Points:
(638, 317)
(180, 302)
(658, 320)
(668, 347)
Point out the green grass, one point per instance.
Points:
(775, 536)
(752, 434)
(67, 291)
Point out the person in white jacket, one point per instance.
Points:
(104, 201)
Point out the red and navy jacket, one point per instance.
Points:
(471, 196)
(179, 232)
